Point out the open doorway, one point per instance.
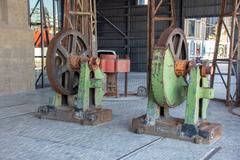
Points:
(201, 37)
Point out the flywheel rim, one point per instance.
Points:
(169, 37)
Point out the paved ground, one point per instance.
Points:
(23, 137)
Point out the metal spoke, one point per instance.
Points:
(70, 80)
(79, 46)
(62, 51)
(74, 43)
(62, 70)
(84, 52)
(75, 84)
(179, 47)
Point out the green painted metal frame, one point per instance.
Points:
(56, 100)
(198, 97)
(168, 90)
(86, 83)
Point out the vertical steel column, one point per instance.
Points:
(29, 18)
(151, 40)
(60, 12)
(173, 13)
(94, 25)
(238, 70)
(128, 45)
(54, 17)
(42, 41)
(128, 26)
(126, 80)
(181, 14)
(231, 53)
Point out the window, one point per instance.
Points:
(192, 48)
(142, 2)
(191, 28)
(198, 29)
(3, 11)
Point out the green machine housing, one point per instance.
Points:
(173, 81)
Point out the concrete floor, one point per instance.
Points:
(23, 137)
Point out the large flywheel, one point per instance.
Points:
(168, 88)
(63, 79)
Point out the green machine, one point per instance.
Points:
(77, 81)
(173, 81)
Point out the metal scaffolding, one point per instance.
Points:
(233, 34)
(77, 15)
(43, 38)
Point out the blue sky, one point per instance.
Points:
(47, 4)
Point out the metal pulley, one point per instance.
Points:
(62, 76)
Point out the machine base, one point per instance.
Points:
(68, 114)
(205, 132)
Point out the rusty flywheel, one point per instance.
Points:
(63, 79)
(175, 39)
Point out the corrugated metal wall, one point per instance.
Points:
(135, 26)
(203, 8)
(108, 36)
(132, 22)
(117, 12)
